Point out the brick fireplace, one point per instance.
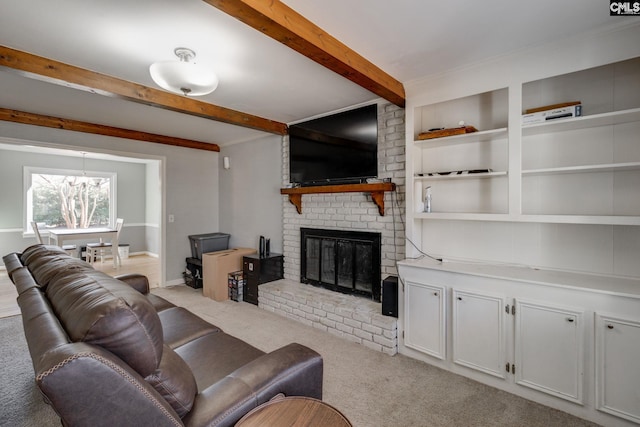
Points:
(355, 211)
(342, 261)
(344, 315)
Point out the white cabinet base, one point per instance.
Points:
(618, 366)
(561, 350)
(479, 332)
(549, 349)
(425, 309)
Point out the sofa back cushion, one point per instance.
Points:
(175, 382)
(98, 309)
(44, 262)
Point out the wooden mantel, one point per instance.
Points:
(376, 190)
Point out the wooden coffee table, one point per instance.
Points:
(294, 411)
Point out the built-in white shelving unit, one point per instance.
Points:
(443, 163)
(524, 274)
(581, 170)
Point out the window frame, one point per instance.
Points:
(27, 195)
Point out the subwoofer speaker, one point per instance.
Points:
(390, 296)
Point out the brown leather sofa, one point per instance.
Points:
(106, 352)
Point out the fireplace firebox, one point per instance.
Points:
(341, 260)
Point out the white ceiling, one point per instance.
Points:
(408, 39)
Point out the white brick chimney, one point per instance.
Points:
(355, 211)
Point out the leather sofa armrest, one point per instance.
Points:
(293, 370)
(12, 263)
(139, 282)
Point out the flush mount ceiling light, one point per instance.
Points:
(184, 77)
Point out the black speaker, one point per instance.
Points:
(390, 296)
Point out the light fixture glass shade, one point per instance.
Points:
(183, 77)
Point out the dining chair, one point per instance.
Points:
(72, 250)
(101, 248)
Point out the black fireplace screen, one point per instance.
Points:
(344, 261)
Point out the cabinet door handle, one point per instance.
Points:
(570, 319)
(459, 298)
(435, 294)
(610, 326)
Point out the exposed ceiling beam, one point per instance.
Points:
(280, 22)
(78, 126)
(62, 74)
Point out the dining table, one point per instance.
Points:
(59, 235)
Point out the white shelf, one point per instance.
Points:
(583, 122)
(570, 165)
(453, 175)
(582, 219)
(612, 167)
(485, 135)
(462, 216)
(549, 219)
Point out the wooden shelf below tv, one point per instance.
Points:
(376, 190)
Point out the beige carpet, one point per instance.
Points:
(21, 404)
(371, 388)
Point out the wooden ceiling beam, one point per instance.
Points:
(280, 22)
(62, 74)
(78, 126)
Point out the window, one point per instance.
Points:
(69, 198)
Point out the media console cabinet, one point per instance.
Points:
(566, 340)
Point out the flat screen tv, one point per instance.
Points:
(337, 149)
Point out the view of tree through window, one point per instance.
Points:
(70, 201)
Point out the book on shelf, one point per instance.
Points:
(459, 172)
(552, 106)
(440, 133)
(545, 114)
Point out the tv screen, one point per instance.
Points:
(337, 149)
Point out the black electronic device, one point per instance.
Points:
(390, 296)
(258, 270)
(336, 149)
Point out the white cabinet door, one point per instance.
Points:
(618, 366)
(424, 318)
(479, 332)
(549, 349)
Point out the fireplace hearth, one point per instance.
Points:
(341, 260)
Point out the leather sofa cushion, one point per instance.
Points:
(98, 309)
(159, 303)
(214, 356)
(35, 251)
(45, 262)
(140, 283)
(175, 382)
(180, 326)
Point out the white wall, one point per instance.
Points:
(153, 208)
(600, 249)
(190, 183)
(250, 203)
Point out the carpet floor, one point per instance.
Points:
(371, 388)
(21, 404)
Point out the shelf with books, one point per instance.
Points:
(443, 176)
(584, 169)
(583, 122)
(467, 138)
(466, 173)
